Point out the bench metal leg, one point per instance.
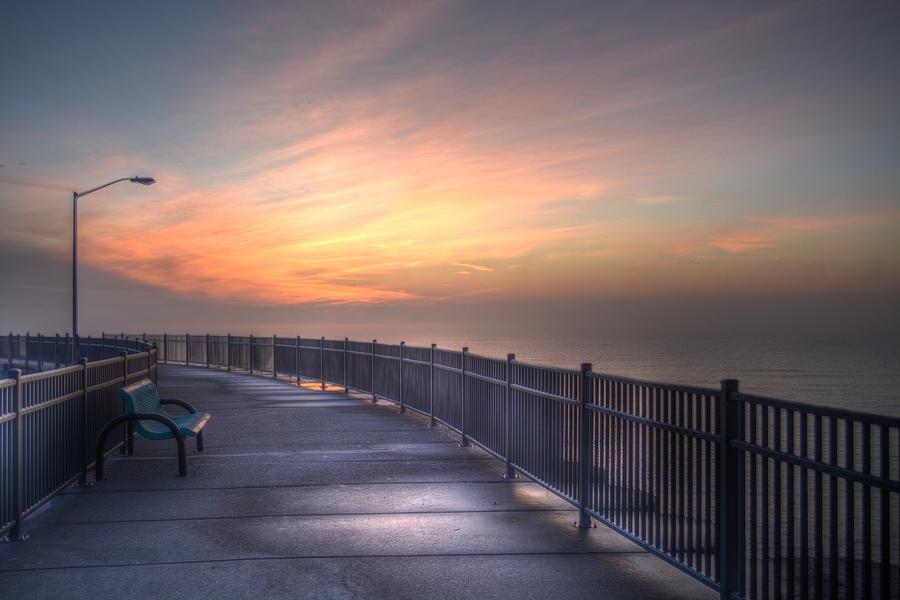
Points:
(173, 427)
(129, 439)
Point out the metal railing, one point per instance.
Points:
(755, 497)
(49, 420)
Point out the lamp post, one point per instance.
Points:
(75, 197)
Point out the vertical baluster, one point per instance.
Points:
(885, 525)
(127, 436)
(849, 534)
(645, 482)
(755, 521)
(346, 385)
(666, 457)
(431, 420)
(833, 570)
(789, 534)
(689, 481)
(18, 461)
(818, 535)
(707, 482)
(867, 512)
(804, 509)
(464, 439)
(274, 358)
(297, 360)
(776, 500)
(765, 498)
(372, 373)
(84, 435)
(731, 519)
(400, 378)
(322, 361)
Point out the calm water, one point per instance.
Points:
(858, 374)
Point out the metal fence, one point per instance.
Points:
(49, 420)
(755, 497)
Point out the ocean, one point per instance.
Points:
(859, 374)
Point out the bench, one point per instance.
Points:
(144, 412)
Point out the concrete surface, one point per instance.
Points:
(310, 494)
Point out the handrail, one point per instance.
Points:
(28, 417)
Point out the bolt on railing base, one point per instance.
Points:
(584, 522)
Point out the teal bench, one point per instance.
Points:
(144, 412)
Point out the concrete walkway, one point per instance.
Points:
(310, 494)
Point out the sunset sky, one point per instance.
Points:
(446, 159)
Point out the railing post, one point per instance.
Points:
(346, 389)
(507, 424)
(18, 464)
(9, 352)
(372, 372)
(207, 350)
(274, 364)
(251, 354)
(322, 360)
(402, 405)
(127, 436)
(187, 349)
(228, 352)
(464, 442)
(730, 500)
(40, 342)
(85, 443)
(431, 421)
(27, 337)
(584, 448)
(297, 360)
(165, 348)
(56, 352)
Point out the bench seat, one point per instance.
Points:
(190, 425)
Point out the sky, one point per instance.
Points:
(343, 165)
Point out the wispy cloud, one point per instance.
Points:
(418, 152)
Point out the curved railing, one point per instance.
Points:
(35, 353)
(50, 419)
(753, 496)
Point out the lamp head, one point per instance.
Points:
(143, 180)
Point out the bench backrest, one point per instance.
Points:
(141, 397)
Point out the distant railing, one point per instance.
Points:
(49, 420)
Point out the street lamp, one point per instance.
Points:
(75, 197)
